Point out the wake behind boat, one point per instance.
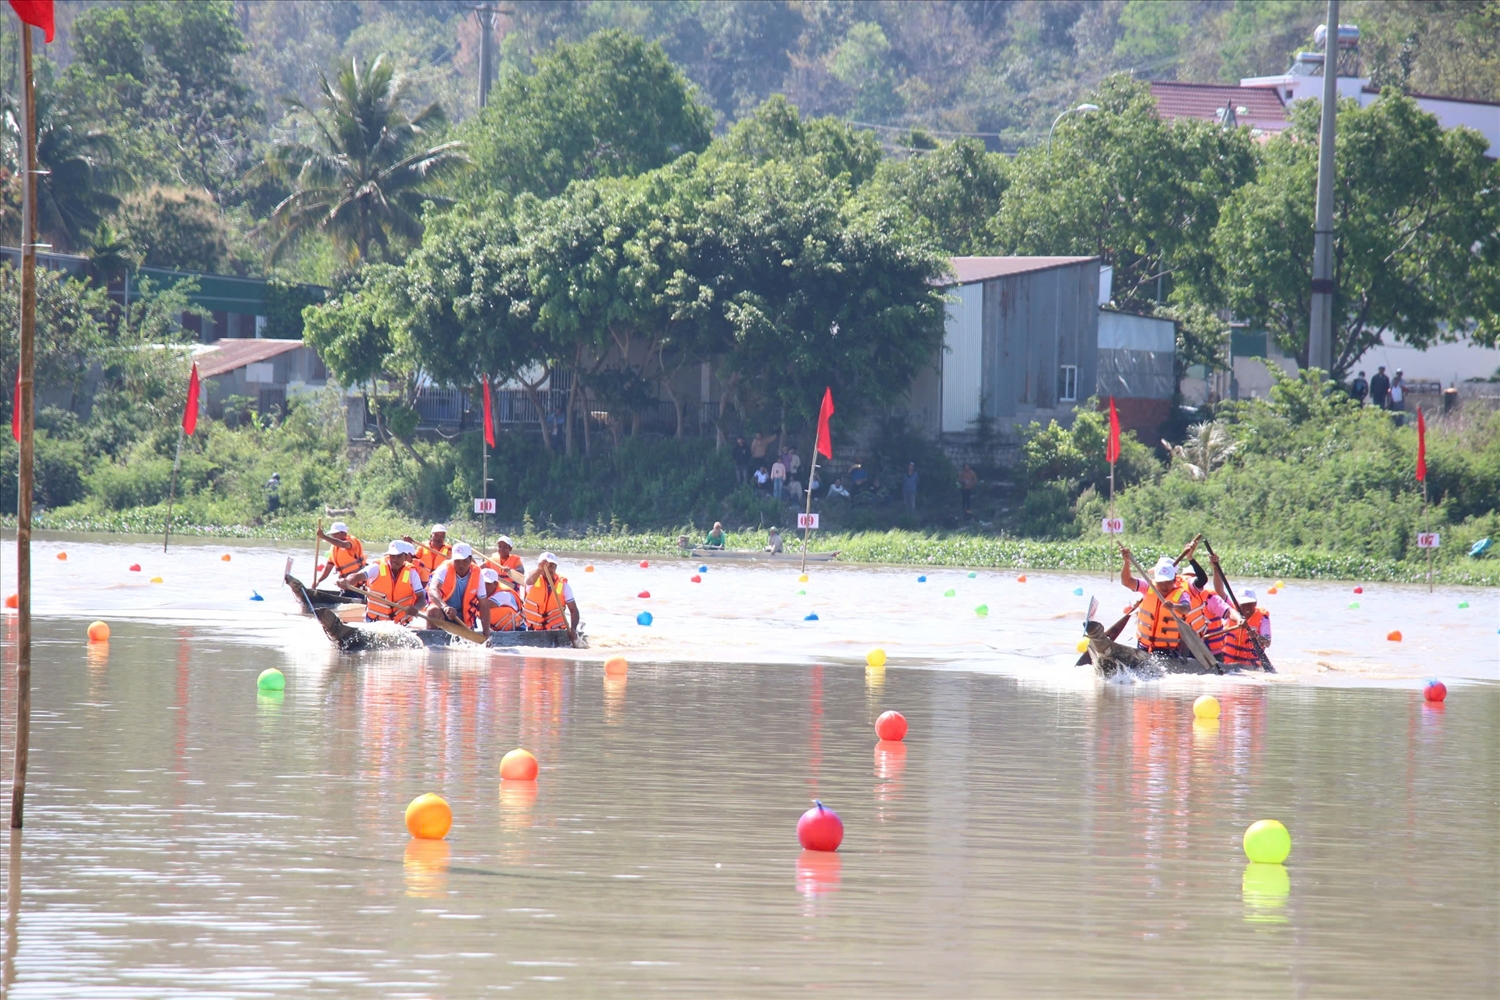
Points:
(358, 637)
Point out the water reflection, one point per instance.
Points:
(1265, 889)
(817, 874)
(614, 699)
(890, 762)
(425, 863)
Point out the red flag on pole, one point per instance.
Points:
(37, 13)
(489, 422)
(1421, 447)
(190, 411)
(825, 443)
(15, 410)
(1112, 450)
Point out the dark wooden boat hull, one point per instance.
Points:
(312, 600)
(355, 638)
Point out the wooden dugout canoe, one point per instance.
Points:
(355, 637)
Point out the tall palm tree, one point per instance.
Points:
(76, 191)
(362, 181)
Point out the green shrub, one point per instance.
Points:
(59, 471)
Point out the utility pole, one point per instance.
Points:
(486, 14)
(1320, 332)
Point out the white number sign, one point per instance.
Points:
(484, 506)
(807, 521)
(1429, 539)
(1113, 525)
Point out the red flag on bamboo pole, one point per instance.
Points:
(190, 411)
(1421, 447)
(1112, 450)
(15, 410)
(37, 13)
(489, 422)
(825, 443)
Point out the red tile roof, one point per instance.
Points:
(971, 269)
(224, 356)
(1263, 108)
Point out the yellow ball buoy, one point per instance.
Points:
(1206, 707)
(1267, 842)
(875, 658)
(1280, 584)
(98, 632)
(224, 557)
(62, 556)
(428, 817)
(1083, 646)
(156, 579)
(518, 765)
(802, 578)
(616, 665)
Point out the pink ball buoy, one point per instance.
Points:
(518, 765)
(135, 568)
(644, 593)
(1435, 691)
(645, 564)
(695, 578)
(820, 829)
(891, 726)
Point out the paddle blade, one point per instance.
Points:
(1093, 608)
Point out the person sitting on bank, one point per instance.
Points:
(396, 590)
(762, 478)
(715, 538)
(432, 553)
(548, 594)
(837, 489)
(505, 562)
(858, 477)
(773, 542)
(498, 610)
(453, 589)
(346, 554)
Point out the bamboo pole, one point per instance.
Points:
(27, 458)
(812, 472)
(172, 490)
(317, 549)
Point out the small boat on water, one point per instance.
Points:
(353, 638)
(760, 555)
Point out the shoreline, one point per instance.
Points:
(892, 548)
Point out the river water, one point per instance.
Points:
(1039, 833)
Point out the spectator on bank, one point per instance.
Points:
(967, 480)
(814, 484)
(794, 490)
(837, 489)
(273, 493)
(793, 463)
(858, 477)
(909, 488)
(1398, 391)
(759, 445)
(741, 457)
(1359, 388)
(778, 478)
(1380, 388)
(762, 477)
(773, 542)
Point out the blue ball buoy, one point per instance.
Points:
(921, 579)
(811, 617)
(703, 569)
(255, 596)
(644, 618)
(1077, 591)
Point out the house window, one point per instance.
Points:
(1067, 384)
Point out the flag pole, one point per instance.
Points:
(172, 490)
(484, 491)
(811, 474)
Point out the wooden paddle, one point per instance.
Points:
(317, 544)
(1112, 633)
(435, 621)
(1260, 648)
(1191, 639)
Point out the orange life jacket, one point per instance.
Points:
(1156, 629)
(350, 560)
(503, 567)
(1238, 646)
(544, 607)
(428, 559)
(503, 617)
(395, 588)
(1207, 624)
(470, 603)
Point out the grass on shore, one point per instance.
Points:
(895, 547)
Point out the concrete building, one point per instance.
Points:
(263, 372)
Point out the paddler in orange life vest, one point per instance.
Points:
(346, 554)
(499, 610)
(1239, 648)
(547, 594)
(1156, 629)
(394, 578)
(454, 589)
(507, 563)
(432, 553)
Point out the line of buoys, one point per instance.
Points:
(616, 665)
(98, 632)
(1394, 635)
(1206, 707)
(1267, 842)
(271, 679)
(135, 567)
(875, 658)
(644, 618)
(518, 765)
(820, 829)
(428, 817)
(1435, 691)
(891, 726)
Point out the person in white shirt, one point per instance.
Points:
(778, 479)
(837, 489)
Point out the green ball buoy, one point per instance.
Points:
(1463, 604)
(973, 575)
(950, 593)
(982, 610)
(1267, 842)
(801, 593)
(271, 679)
(1353, 604)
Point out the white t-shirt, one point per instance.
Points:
(778, 471)
(505, 599)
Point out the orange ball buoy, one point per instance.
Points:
(224, 557)
(645, 564)
(428, 817)
(1021, 578)
(1394, 636)
(135, 567)
(62, 556)
(644, 593)
(98, 632)
(518, 765)
(1271, 590)
(616, 665)
(891, 726)
(12, 600)
(589, 568)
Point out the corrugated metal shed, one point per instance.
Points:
(1257, 107)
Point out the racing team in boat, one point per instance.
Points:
(1226, 629)
(484, 593)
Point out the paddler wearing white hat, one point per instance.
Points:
(547, 594)
(454, 588)
(499, 609)
(506, 562)
(394, 578)
(432, 553)
(346, 554)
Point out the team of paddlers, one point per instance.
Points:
(453, 582)
(1235, 633)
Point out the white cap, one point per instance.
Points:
(547, 557)
(463, 550)
(1165, 571)
(505, 540)
(439, 529)
(1247, 596)
(489, 576)
(401, 548)
(338, 527)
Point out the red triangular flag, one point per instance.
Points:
(825, 443)
(1421, 447)
(15, 410)
(190, 411)
(1112, 449)
(489, 422)
(37, 13)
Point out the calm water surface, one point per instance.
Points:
(1038, 834)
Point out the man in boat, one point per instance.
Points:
(505, 562)
(346, 554)
(1238, 647)
(453, 589)
(499, 610)
(396, 591)
(432, 553)
(548, 596)
(1156, 628)
(773, 542)
(715, 538)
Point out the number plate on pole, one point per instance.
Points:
(483, 505)
(809, 521)
(1112, 525)
(1429, 539)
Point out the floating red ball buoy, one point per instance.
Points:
(1394, 636)
(1021, 578)
(1359, 590)
(695, 578)
(820, 829)
(135, 567)
(645, 563)
(12, 601)
(644, 593)
(1435, 691)
(891, 726)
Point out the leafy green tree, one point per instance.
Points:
(175, 227)
(71, 328)
(1416, 250)
(364, 179)
(862, 62)
(954, 190)
(777, 132)
(611, 106)
(77, 191)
